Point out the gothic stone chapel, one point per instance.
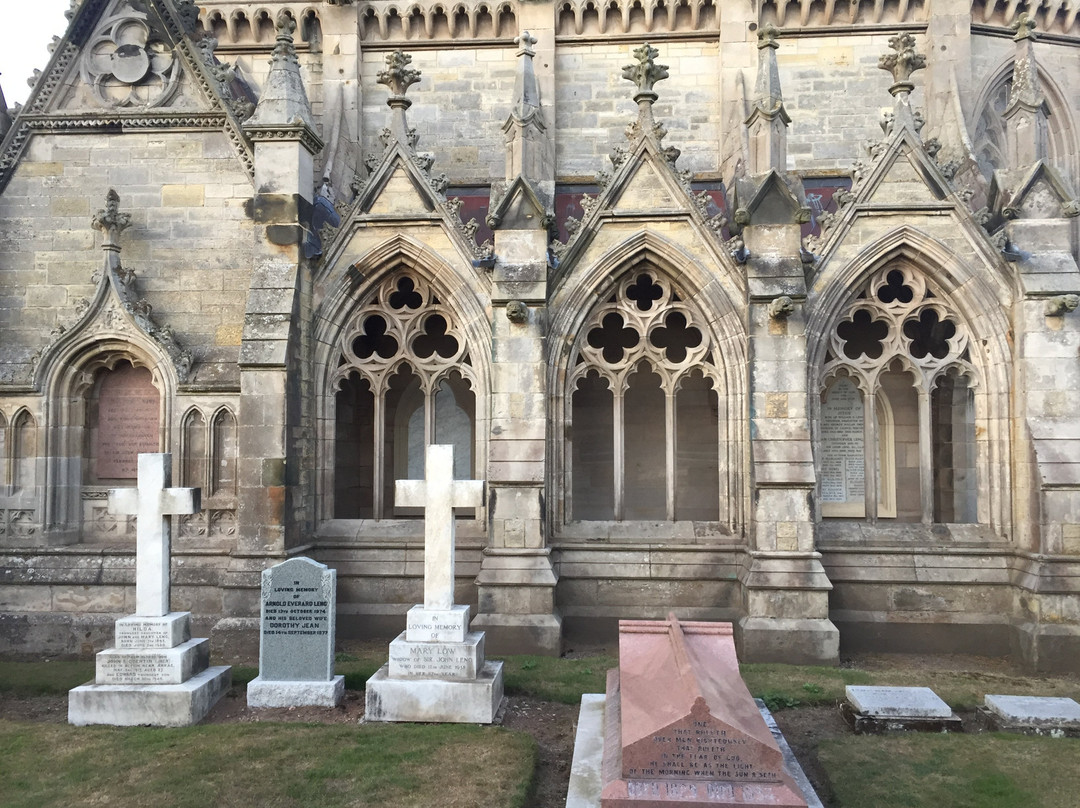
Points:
(757, 311)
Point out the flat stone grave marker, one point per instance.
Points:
(681, 727)
(156, 674)
(1044, 715)
(881, 709)
(297, 630)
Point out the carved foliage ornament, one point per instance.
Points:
(127, 63)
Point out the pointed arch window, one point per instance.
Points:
(896, 435)
(404, 381)
(644, 409)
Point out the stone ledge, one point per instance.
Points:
(435, 700)
(149, 705)
(262, 693)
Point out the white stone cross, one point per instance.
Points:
(439, 493)
(152, 503)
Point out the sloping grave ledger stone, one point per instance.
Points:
(680, 726)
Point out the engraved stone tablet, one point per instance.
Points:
(298, 607)
(842, 457)
(681, 727)
(128, 422)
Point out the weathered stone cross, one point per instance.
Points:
(439, 493)
(152, 503)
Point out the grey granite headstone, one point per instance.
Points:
(296, 652)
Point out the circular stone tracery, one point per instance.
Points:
(127, 64)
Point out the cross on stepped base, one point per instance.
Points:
(439, 493)
(152, 503)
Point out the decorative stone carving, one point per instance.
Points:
(517, 312)
(127, 63)
(781, 307)
(1061, 305)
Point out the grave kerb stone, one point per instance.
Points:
(897, 702)
(1035, 711)
(152, 503)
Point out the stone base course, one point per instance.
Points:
(149, 705)
(435, 700)
(262, 693)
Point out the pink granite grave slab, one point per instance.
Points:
(681, 727)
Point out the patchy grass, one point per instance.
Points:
(44, 678)
(785, 686)
(555, 679)
(269, 765)
(921, 770)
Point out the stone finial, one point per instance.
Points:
(285, 27)
(398, 77)
(525, 41)
(766, 36)
(645, 73)
(111, 221)
(902, 63)
(1023, 27)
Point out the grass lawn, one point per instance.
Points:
(399, 766)
(953, 771)
(266, 765)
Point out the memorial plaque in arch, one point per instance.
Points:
(843, 457)
(125, 420)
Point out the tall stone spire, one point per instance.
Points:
(398, 77)
(1025, 116)
(284, 101)
(902, 64)
(526, 143)
(768, 122)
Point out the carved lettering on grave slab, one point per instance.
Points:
(682, 728)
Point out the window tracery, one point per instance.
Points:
(404, 380)
(909, 453)
(644, 409)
